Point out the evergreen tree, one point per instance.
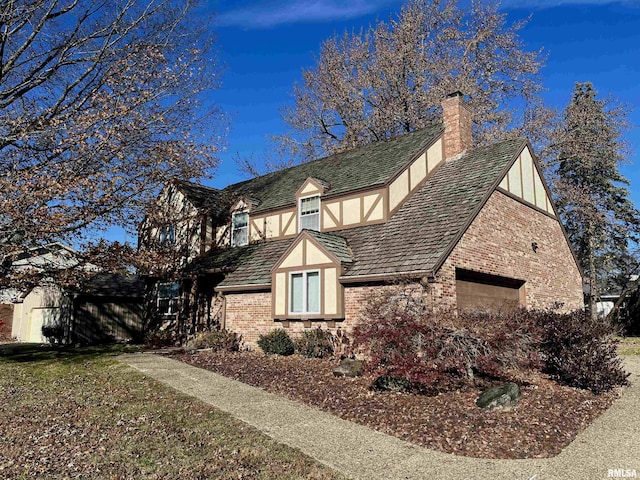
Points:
(593, 199)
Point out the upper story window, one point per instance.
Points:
(310, 213)
(167, 235)
(304, 292)
(239, 229)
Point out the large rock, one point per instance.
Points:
(505, 396)
(349, 368)
(389, 383)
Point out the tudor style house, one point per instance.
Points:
(305, 246)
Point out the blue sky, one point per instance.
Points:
(264, 45)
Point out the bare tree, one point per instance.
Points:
(99, 105)
(390, 79)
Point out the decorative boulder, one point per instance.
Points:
(395, 384)
(349, 368)
(505, 396)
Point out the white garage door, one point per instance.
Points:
(39, 317)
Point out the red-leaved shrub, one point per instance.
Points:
(403, 339)
(580, 351)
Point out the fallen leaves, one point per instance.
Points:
(548, 417)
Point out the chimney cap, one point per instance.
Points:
(457, 93)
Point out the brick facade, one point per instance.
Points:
(249, 314)
(498, 242)
(6, 319)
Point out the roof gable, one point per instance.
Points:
(331, 247)
(418, 237)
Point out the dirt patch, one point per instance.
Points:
(547, 419)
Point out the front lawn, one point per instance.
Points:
(629, 346)
(547, 419)
(81, 414)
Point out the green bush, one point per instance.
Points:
(316, 343)
(218, 340)
(277, 342)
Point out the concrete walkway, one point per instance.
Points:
(611, 442)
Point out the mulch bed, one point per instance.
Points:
(547, 418)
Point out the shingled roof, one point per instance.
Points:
(418, 236)
(416, 239)
(200, 196)
(363, 167)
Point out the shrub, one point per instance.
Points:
(403, 340)
(218, 340)
(316, 343)
(580, 351)
(54, 333)
(276, 342)
(160, 338)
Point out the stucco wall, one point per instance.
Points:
(498, 242)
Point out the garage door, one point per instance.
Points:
(476, 290)
(38, 318)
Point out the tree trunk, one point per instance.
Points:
(593, 294)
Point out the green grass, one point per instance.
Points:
(78, 413)
(629, 346)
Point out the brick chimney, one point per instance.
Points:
(457, 126)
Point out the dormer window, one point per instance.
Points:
(309, 208)
(239, 229)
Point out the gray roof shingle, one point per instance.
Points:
(363, 167)
(420, 232)
(415, 239)
(333, 243)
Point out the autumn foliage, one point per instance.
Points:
(447, 350)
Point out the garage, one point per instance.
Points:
(480, 291)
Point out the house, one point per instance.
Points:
(306, 246)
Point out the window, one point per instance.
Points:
(167, 235)
(310, 213)
(304, 292)
(168, 294)
(239, 229)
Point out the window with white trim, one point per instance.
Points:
(167, 300)
(309, 208)
(304, 292)
(239, 229)
(167, 234)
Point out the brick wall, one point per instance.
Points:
(6, 319)
(499, 242)
(249, 314)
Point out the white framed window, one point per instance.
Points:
(309, 208)
(239, 229)
(168, 296)
(167, 234)
(304, 292)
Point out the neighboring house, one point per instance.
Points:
(107, 307)
(40, 305)
(306, 246)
